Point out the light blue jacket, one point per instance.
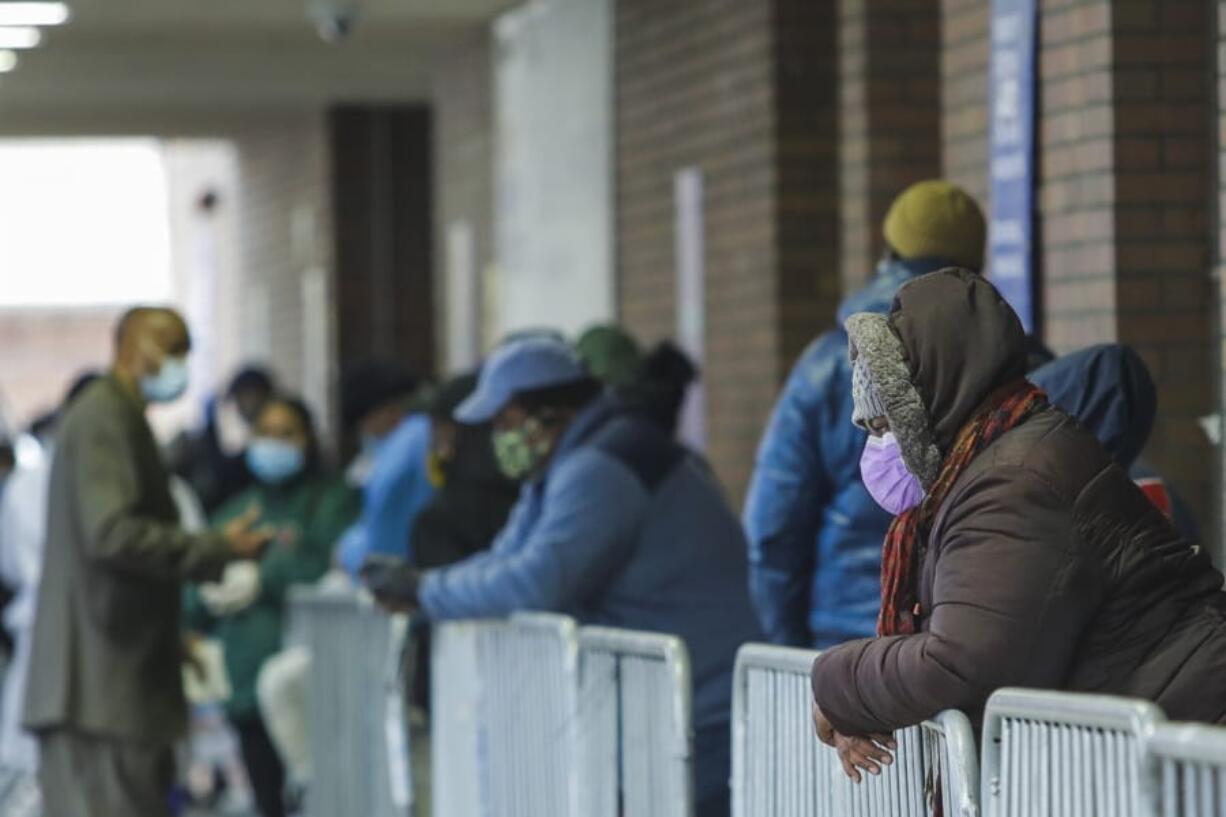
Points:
(396, 490)
(625, 529)
(814, 532)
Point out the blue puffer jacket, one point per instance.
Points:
(627, 529)
(1109, 390)
(815, 534)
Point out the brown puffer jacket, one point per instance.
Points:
(1045, 567)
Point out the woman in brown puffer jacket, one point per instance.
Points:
(1022, 554)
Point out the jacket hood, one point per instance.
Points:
(879, 293)
(1109, 390)
(948, 342)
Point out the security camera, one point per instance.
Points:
(334, 19)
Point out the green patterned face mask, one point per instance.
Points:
(515, 452)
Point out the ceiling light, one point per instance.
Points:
(19, 37)
(8, 61)
(33, 14)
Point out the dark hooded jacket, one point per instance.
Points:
(1109, 390)
(1045, 566)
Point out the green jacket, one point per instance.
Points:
(311, 513)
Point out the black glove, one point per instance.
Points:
(393, 581)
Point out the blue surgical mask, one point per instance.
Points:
(168, 384)
(274, 461)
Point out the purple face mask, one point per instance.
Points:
(886, 476)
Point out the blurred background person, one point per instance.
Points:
(659, 386)
(213, 458)
(1109, 390)
(610, 353)
(378, 400)
(23, 525)
(308, 508)
(814, 532)
(105, 696)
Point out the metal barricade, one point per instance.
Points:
(19, 794)
(1058, 754)
(355, 693)
(1189, 764)
(635, 722)
(504, 722)
(780, 768)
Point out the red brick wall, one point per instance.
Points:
(964, 94)
(890, 116)
(743, 90)
(1125, 202)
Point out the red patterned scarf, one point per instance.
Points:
(1008, 408)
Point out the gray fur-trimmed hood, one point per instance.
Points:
(948, 342)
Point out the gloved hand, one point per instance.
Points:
(238, 589)
(392, 581)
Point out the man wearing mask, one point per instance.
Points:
(616, 524)
(814, 532)
(105, 696)
(393, 467)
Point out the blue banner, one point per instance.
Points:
(1010, 253)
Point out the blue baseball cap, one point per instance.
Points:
(518, 366)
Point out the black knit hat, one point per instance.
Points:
(369, 385)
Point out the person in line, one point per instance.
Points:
(616, 524)
(213, 460)
(814, 532)
(610, 353)
(23, 524)
(309, 509)
(393, 467)
(1109, 390)
(660, 385)
(105, 696)
(1021, 554)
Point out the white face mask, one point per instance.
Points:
(169, 384)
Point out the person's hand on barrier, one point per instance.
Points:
(869, 753)
(245, 539)
(392, 581)
(821, 726)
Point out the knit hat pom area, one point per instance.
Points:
(937, 220)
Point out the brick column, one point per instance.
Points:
(1125, 202)
(965, 45)
(745, 91)
(889, 116)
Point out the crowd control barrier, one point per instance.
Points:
(780, 768)
(1189, 763)
(355, 693)
(504, 717)
(1052, 754)
(636, 734)
(19, 795)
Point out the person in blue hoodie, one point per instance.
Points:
(1109, 390)
(814, 532)
(617, 524)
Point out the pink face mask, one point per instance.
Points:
(886, 476)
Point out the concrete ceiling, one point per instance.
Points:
(136, 56)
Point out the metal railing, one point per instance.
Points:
(1189, 764)
(635, 724)
(19, 794)
(355, 692)
(1053, 754)
(780, 768)
(504, 720)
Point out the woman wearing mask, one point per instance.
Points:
(1021, 554)
(308, 509)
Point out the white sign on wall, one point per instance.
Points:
(463, 298)
(689, 248)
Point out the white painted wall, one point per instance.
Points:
(553, 166)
